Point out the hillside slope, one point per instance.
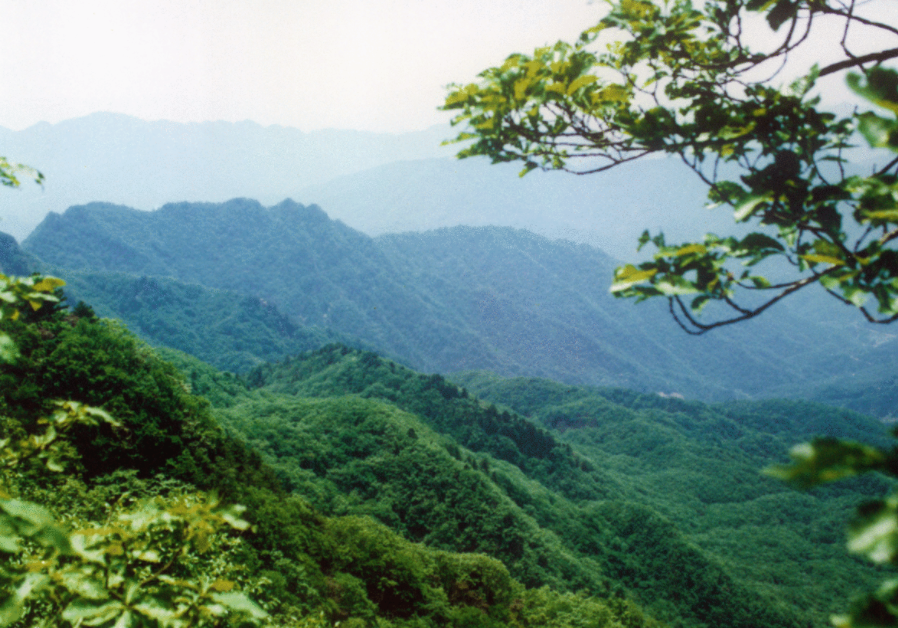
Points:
(648, 477)
(460, 298)
(302, 566)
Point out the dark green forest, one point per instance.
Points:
(381, 494)
(298, 560)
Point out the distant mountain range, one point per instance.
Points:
(120, 159)
(376, 183)
(448, 300)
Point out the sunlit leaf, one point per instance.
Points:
(630, 275)
(823, 259)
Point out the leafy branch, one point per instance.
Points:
(678, 79)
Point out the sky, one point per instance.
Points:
(378, 65)
(375, 65)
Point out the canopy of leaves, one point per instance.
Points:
(455, 472)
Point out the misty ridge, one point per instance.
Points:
(375, 183)
(447, 300)
(381, 253)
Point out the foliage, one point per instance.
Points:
(126, 571)
(302, 568)
(229, 330)
(697, 465)
(873, 532)
(16, 293)
(337, 370)
(11, 172)
(146, 565)
(656, 460)
(684, 79)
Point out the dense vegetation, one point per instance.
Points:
(233, 331)
(443, 301)
(586, 497)
(649, 479)
(297, 562)
(698, 465)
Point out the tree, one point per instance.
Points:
(667, 77)
(670, 77)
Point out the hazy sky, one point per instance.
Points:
(376, 65)
(365, 64)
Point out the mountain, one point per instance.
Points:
(13, 260)
(166, 482)
(608, 211)
(233, 331)
(375, 183)
(369, 484)
(673, 455)
(123, 160)
(458, 299)
(659, 495)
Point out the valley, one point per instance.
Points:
(309, 350)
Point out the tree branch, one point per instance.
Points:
(879, 57)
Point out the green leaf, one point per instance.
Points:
(675, 286)
(879, 85)
(755, 242)
(879, 132)
(239, 603)
(583, 81)
(83, 611)
(823, 259)
(747, 206)
(782, 12)
(48, 284)
(9, 352)
(629, 276)
(827, 460)
(689, 249)
(883, 215)
(14, 605)
(875, 532)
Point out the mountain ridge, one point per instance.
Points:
(457, 298)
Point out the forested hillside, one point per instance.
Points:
(444, 301)
(698, 465)
(129, 486)
(365, 480)
(636, 492)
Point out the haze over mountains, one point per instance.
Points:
(447, 300)
(379, 184)
(376, 183)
